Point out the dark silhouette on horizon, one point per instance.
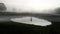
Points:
(2, 7)
(57, 10)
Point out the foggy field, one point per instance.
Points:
(15, 27)
(30, 16)
(12, 27)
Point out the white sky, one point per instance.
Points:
(29, 5)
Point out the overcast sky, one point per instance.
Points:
(29, 5)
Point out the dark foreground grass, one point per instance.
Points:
(19, 28)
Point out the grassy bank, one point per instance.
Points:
(19, 28)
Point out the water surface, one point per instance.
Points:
(35, 21)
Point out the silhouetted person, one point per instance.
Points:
(31, 19)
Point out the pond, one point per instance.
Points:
(32, 20)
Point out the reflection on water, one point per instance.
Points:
(35, 21)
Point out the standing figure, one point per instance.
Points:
(31, 19)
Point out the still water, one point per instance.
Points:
(32, 20)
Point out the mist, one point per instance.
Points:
(31, 5)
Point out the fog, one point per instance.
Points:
(31, 5)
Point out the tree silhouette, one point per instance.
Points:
(57, 10)
(2, 7)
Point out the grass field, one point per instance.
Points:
(9, 27)
(19, 28)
